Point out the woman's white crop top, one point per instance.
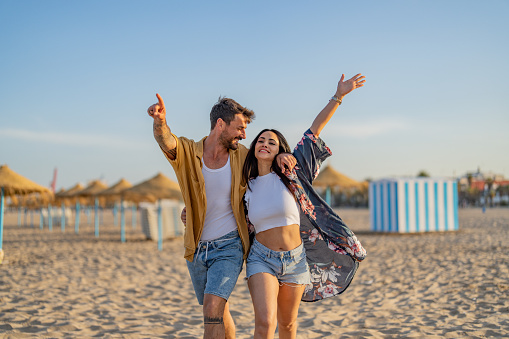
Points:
(270, 204)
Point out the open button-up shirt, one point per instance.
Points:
(188, 169)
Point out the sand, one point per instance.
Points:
(437, 285)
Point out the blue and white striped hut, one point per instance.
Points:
(407, 205)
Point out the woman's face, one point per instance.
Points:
(267, 146)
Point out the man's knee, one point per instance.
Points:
(213, 306)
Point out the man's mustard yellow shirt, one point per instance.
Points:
(188, 168)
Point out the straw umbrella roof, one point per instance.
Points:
(117, 188)
(364, 185)
(70, 192)
(329, 177)
(92, 189)
(13, 183)
(158, 187)
(14, 201)
(35, 200)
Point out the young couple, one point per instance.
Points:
(301, 250)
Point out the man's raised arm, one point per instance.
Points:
(162, 132)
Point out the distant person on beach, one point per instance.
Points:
(302, 250)
(209, 173)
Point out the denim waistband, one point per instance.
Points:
(278, 254)
(206, 243)
(227, 236)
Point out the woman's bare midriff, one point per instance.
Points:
(284, 238)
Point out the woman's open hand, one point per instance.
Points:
(345, 87)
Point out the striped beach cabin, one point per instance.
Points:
(408, 205)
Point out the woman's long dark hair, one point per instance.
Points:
(250, 170)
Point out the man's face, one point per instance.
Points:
(234, 132)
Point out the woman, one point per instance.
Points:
(302, 249)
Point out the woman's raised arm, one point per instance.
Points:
(344, 87)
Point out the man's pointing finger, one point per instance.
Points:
(161, 102)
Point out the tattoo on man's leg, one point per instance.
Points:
(213, 321)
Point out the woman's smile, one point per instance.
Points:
(268, 143)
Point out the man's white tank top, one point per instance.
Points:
(219, 218)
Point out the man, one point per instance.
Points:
(209, 173)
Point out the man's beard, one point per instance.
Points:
(229, 142)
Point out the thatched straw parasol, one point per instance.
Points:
(91, 192)
(35, 200)
(114, 192)
(15, 184)
(60, 197)
(62, 190)
(14, 201)
(329, 177)
(12, 183)
(70, 192)
(156, 188)
(68, 196)
(364, 186)
(93, 189)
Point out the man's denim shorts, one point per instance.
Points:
(216, 266)
(287, 266)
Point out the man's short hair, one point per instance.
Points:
(226, 109)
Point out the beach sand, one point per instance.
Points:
(437, 285)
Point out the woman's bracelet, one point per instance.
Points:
(336, 99)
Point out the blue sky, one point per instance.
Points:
(76, 78)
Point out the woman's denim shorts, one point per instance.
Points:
(216, 266)
(287, 266)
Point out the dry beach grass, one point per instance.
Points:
(58, 284)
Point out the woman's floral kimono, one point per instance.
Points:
(333, 251)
